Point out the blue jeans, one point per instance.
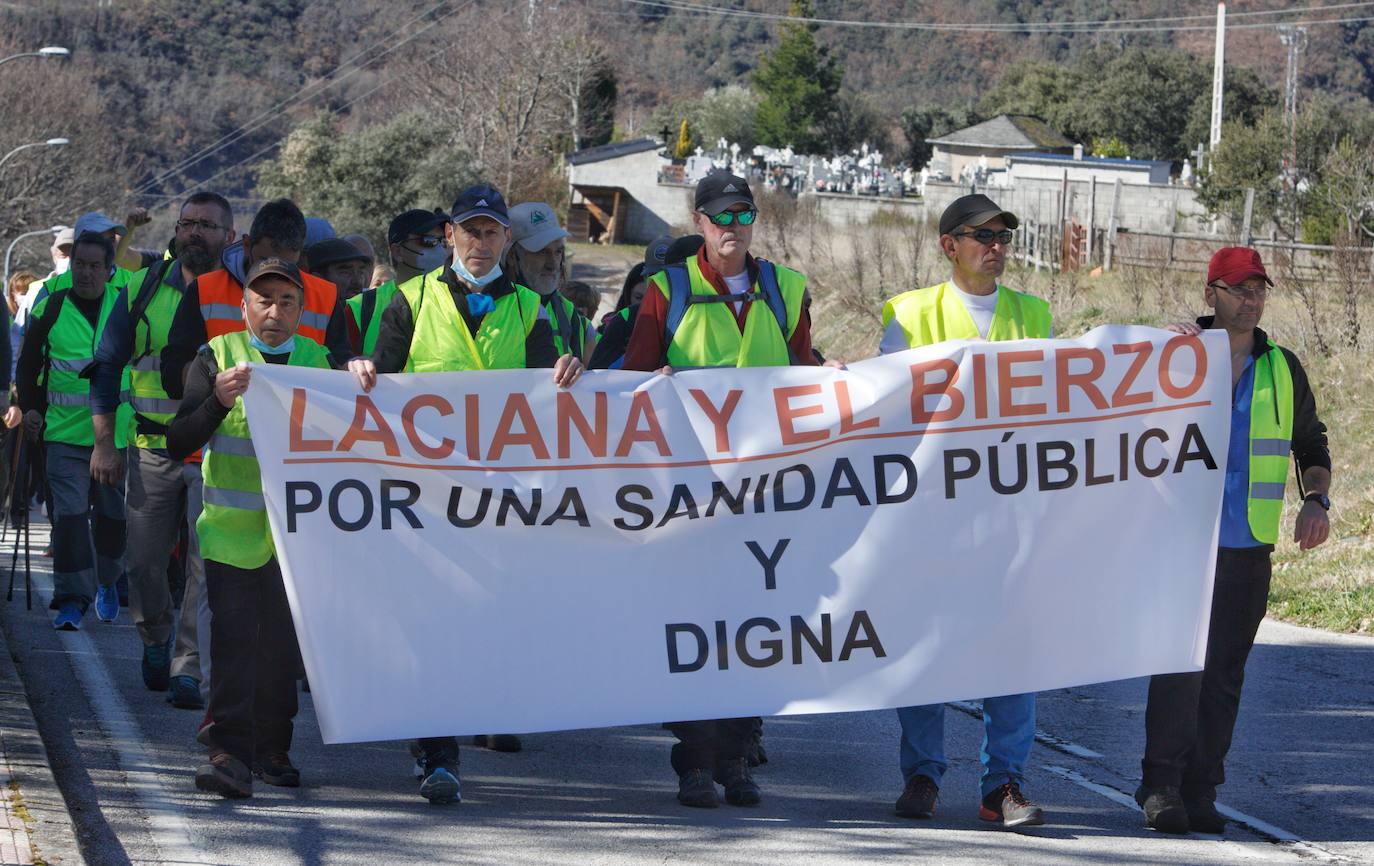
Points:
(1008, 734)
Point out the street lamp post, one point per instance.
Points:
(9, 253)
(52, 142)
(52, 52)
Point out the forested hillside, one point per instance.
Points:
(162, 95)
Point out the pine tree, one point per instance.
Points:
(685, 144)
(799, 82)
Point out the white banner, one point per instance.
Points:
(477, 552)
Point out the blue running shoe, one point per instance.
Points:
(107, 604)
(441, 786)
(157, 666)
(68, 617)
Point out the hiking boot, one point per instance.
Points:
(1008, 805)
(498, 742)
(1203, 817)
(184, 693)
(225, 775)
(156, 666)
(1164, 809)
(695, 788)
(106, 604)
(740, 788)
(918, 798)
(440, 784)
(277, 769)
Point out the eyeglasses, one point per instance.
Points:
(743, 217)
(1244, 293)
(205, 225)
(429, 242)
(987, 236)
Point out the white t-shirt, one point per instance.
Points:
(739, 284)
(980, 308)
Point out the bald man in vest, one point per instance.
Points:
(1190, 717)
(975, 235)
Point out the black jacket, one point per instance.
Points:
(1309, 433)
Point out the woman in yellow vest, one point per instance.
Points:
(974, 235)
(1189, 717)
(253, 647)
(64, 329)
(464, 317)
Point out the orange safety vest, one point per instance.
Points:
(221, 305)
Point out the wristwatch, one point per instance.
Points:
(1320, 498)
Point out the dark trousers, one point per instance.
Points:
(1189, 718)
(439, 750)
(708, 744)
(255, 658)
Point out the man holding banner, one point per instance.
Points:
(253, 647)
(974, 235)
(1190, 717)
(466, 317)
(720, 308)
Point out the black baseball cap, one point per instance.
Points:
(480, 200)
(332, 250)
(274, 267)
(414, 222)
(721, 189)
(974, 210)
(682, 249)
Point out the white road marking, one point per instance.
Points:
(168, 826)
(1283, 840)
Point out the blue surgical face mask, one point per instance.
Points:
(477, 282)
(431, 259)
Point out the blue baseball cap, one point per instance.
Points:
(97, 222)
(480, 200)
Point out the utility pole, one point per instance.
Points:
(1295, 40)
(1218, 75)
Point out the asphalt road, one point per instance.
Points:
(1301, 777)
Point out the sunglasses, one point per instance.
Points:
(987, 236)
(743, 217)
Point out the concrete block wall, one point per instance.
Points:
(1143, 207)
(842, 210)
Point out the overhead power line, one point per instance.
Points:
(1122, 25)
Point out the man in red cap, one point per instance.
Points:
(1189, 717)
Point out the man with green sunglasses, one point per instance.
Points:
(721, 307)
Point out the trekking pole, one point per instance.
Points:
(19, 476)
(23, 482)
(17, 436)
